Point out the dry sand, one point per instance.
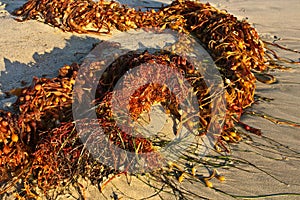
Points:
(31, 48)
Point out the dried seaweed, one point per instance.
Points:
(40, 141)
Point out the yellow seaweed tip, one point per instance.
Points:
(208, 183)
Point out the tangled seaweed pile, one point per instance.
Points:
(40, 140)
(233, 44)
(37, 109)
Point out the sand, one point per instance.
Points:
(32, 48)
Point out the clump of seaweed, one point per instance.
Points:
(40, 107)
(39, 142)
(14, 153)
(233, 44)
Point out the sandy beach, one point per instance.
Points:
(268, 167)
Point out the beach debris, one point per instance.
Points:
(233, 44)
(41, 136)
(13, 152)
